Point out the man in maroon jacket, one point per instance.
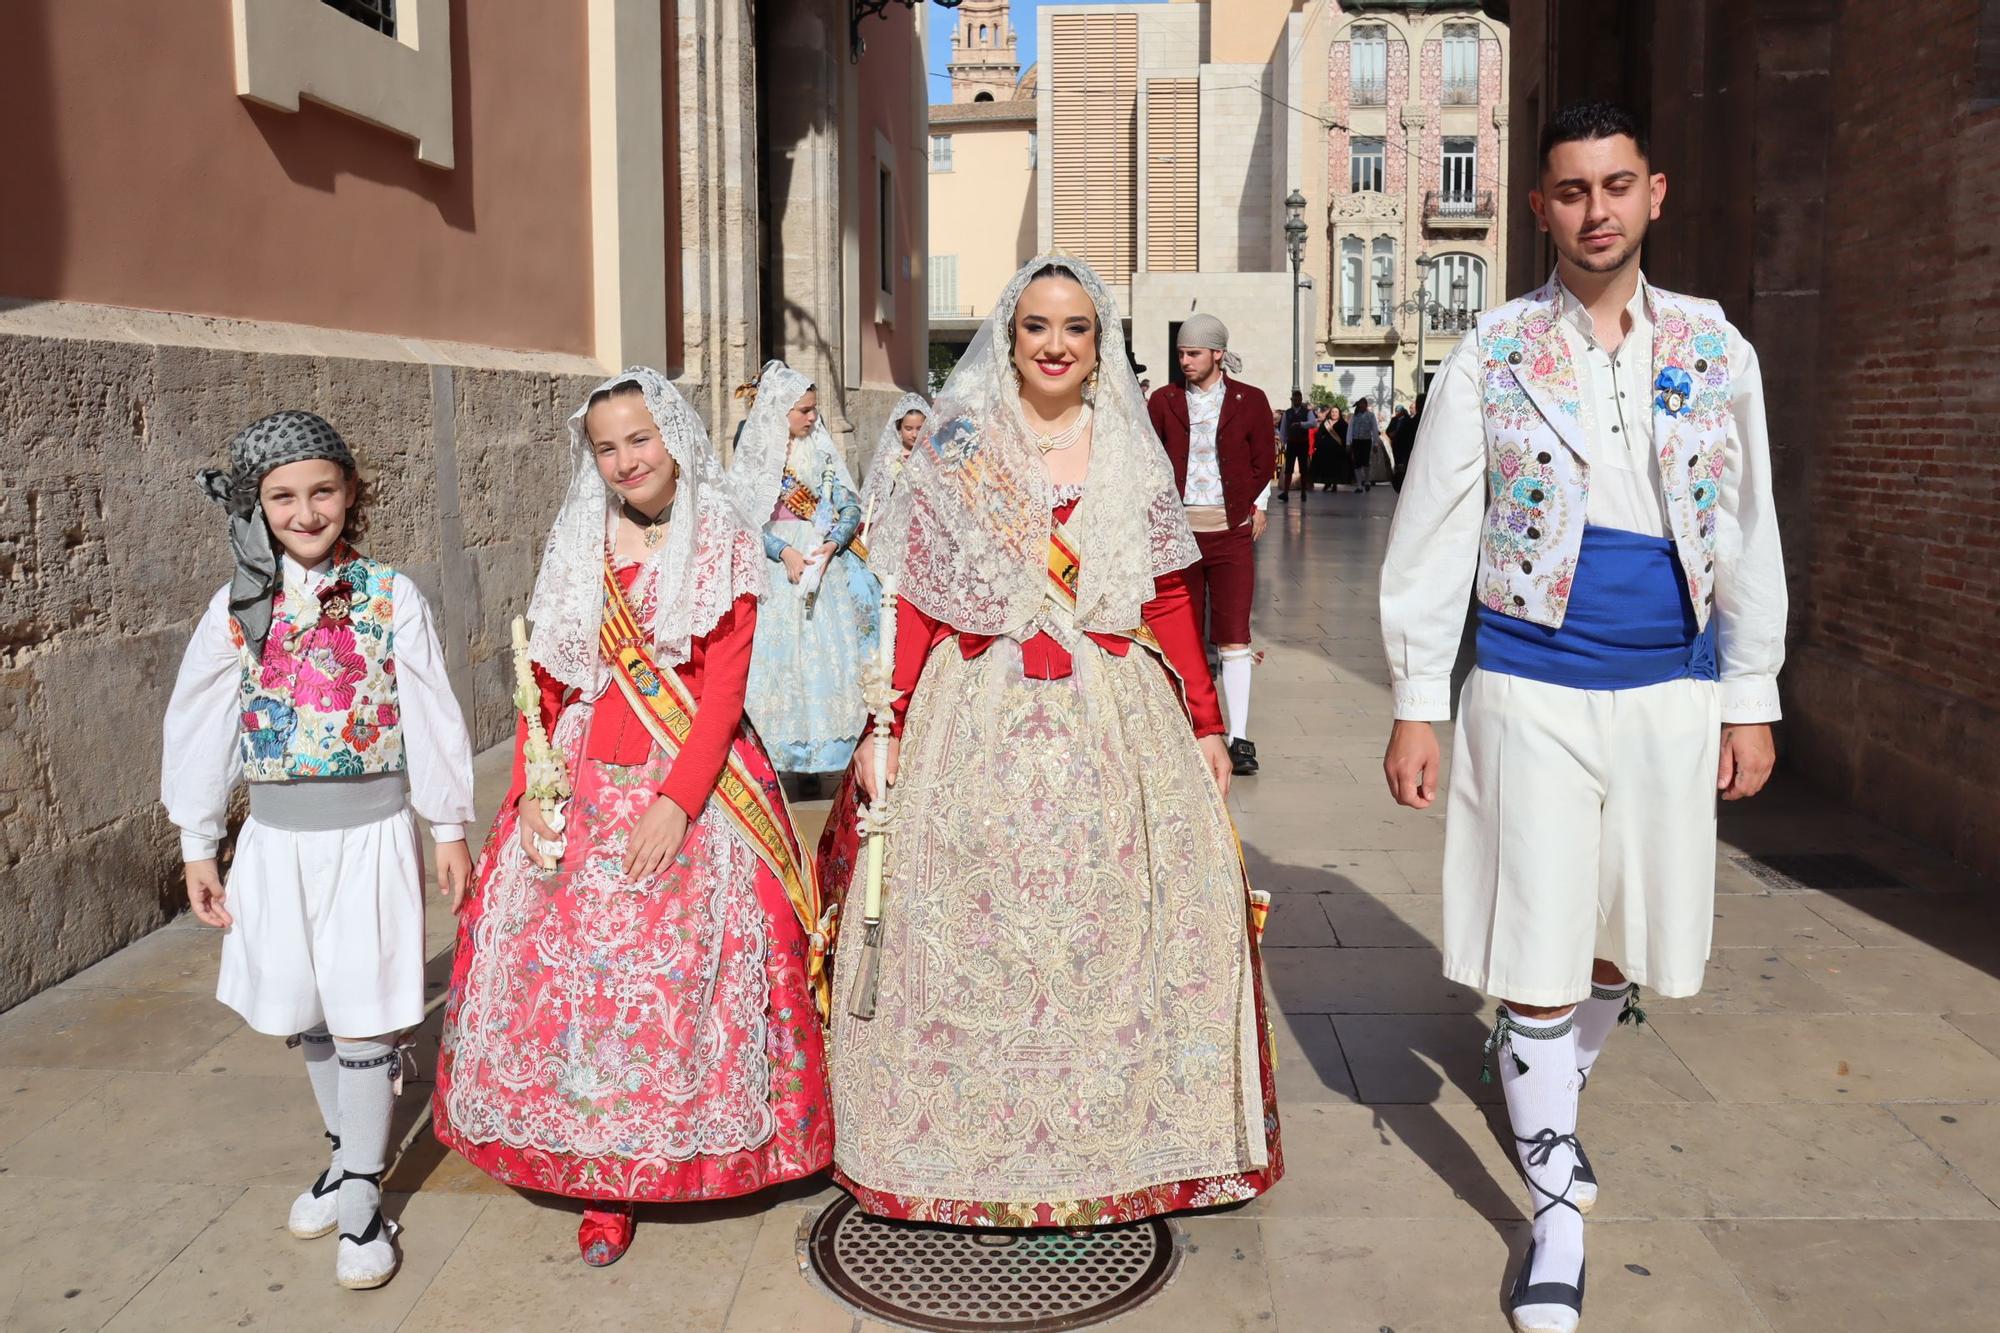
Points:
(1218, 434)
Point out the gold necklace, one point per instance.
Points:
(652, 531)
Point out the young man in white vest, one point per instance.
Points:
(1593, 468)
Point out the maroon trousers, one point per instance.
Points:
(1222, 584)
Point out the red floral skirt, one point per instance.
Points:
(652, 1041)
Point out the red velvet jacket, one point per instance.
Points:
(1244, 447)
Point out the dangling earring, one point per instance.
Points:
(1090, 386)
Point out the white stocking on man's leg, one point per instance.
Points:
(1613, 1000)
(1536, 1054)
(1237, 662)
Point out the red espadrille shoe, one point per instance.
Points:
(605, 1234)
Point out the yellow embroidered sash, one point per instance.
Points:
(1066, 569)
(803, 505)
(663, 705)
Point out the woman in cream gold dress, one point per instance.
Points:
(1068, 1027)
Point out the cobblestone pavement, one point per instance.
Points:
(1811, 1145)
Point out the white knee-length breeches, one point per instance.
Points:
(1580, 824)
(329, 928)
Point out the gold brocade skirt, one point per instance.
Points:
(1066, 1008)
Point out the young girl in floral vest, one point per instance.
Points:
(315, 676)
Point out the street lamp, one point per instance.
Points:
(1453, 316)
(1295, 241)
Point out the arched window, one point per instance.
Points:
(1353, 277)
(1368, 65)
(1382, 281)
(982, 32)
(1458, 292)
(982, 97)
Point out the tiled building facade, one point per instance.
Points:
(1412, 115)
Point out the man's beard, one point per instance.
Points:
(1606, 263)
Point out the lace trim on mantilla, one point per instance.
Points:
(709, 559)
(968, 525)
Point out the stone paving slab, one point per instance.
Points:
(1808, 1145)
(1810, 1275)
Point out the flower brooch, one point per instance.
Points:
(1674, 390)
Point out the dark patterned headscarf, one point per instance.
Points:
(260, 448)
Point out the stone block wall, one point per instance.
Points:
(108, 553)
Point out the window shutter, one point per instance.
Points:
(944, 285)
(1094, 104)
(1173, 175)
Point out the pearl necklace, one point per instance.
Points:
(1059, 440)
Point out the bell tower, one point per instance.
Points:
(984, 64)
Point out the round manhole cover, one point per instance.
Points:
(952, 1278)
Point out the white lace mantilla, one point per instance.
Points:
(710, 558)
(885, 469)
(968, 530)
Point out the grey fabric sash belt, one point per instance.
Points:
(320, 805)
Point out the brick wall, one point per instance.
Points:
(1897, 657)
(1833, 186)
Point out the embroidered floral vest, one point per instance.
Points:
(1537, 455)
(322, 702)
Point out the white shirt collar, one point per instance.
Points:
(1579, 316)
(296, 572)
(1213, 391)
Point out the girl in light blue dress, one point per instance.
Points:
(818, 626)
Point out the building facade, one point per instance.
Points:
(982, 172)
(1847, 233)
(1408, 232)
(1168, 155)
(437, 229)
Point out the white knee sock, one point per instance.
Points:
(1236, 664)
(1537, 1059)
(365, 1103)
(324, 1072)
(1607, 1007)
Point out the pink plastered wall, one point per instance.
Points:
(889, 104)
(137, 177)
(1492, 93)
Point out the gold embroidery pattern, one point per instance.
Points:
(1064, 1010)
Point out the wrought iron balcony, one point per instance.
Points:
(1368, 92)
(1449, 319)
(1460, 92)
(1471, 209)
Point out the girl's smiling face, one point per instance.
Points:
(305, 506)
(630, 454)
